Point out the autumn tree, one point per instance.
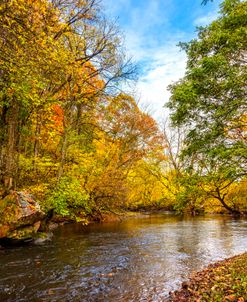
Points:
(126, 136)
(53, 53)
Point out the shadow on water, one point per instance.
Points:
(140, 259)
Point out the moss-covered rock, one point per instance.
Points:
(20, 216)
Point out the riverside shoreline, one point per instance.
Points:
(222, 281)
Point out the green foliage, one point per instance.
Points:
(67, 195)
(190, 198)
(210, 101)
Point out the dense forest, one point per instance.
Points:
(73, 137)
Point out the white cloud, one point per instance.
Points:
(207, 19)
(162, 62)
(167, 66)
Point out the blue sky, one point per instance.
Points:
(152, 30)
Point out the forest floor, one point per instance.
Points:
(223, 281)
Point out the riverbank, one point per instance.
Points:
(222, 281)
(23, 219)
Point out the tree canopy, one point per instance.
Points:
(211, 100)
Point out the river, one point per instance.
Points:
(139, 259)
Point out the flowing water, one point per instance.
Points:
(139, 259)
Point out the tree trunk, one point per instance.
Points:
(63, 155)
(36, 142)
(225, 205)
(78, 119)
(3, 132)
(10, 153)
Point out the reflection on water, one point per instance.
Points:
(136, 260)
